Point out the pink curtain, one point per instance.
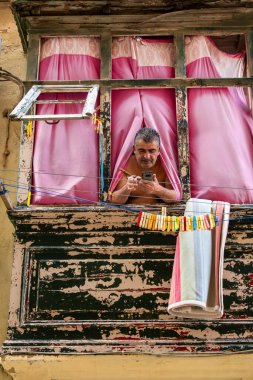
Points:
(66, 152)
(138, 58)
(66, 159)
(220, 127)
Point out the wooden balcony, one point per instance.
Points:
(87, 280)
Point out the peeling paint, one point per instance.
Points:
(96, 287)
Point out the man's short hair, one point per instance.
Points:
(147, 135)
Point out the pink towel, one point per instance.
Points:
(196, 285)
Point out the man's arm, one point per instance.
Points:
(124, 189)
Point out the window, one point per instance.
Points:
(188, 55)
(30, 100)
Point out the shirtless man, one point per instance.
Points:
(133, 189)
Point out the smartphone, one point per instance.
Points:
(147, 176)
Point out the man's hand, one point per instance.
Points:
(121, 196)
(133, 182)
(154, 189)
(147, 189)
(150, 187)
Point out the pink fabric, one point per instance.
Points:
(220, 129)
(143, 59)
(175, 288)
(220, 124)
(66, 152)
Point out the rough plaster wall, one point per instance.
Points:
(13, 59)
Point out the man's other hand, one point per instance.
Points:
(133, 182)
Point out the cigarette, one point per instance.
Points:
(125, 172)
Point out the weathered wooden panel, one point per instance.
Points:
(116, 284)
(93, 282)
(97, 283)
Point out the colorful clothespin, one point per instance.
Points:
(150, 222)
(163, 223)
(212, 221)
(29, 196)
(198, 222)
(206, 222)
(142, 219)
(97, 122)
(138, 219)
(169, 223)
(154, 222)
(29, 129)
(93, 118)
(173, 223)
(194, 223)
(177, 223)
(189, 223)
(203, 226)
(147, 220)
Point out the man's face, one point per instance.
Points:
(146, 153)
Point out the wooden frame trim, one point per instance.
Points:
(182, 118)
(105, 112)
(155, 83)
(249, 55)
(26, 141)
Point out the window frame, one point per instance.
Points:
(30, 99)
(180, 83)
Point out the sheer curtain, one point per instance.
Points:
(220, 126)
(66, 152)
(139, 58)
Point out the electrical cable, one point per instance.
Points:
(111, 178)
(56, 192)
(129, 209)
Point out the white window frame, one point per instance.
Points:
(21, 111)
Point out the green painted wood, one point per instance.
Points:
(183, 141)
(106, 63)
(144, 31)
(106, 138)
(155, 83)
(33, 57)
(182, 117)
(180, 69)
(249, 55)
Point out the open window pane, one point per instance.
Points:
(30, 100)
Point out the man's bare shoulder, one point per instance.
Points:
(132, 166)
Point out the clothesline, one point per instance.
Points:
(111, 205)
(55, 191)
(111, 178)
